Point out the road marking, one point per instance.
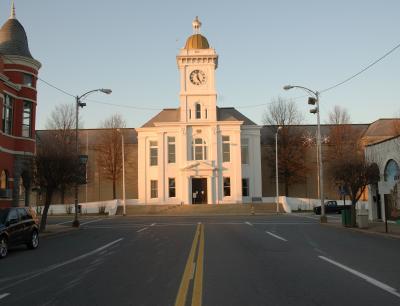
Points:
(153, 224)
(248, 223)
(64, 222)
(367, 278)
(2, 296)
(97, 220)
(62, 264)
(142, 229)
(184, 286)
(198, 278)
(276, 236)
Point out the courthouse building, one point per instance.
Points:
(18, 76)
(199, 153)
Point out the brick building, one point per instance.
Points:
(18, 98)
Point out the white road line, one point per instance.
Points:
(62, 264)
(153, 224)
(2, 296)
(97, 220)
(276, 236)
(248, 223)
(70, 221)
(142, 229)
(367, 278)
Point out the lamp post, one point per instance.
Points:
(79, 103)
(123, 172)
(276, 169)
(315, 101)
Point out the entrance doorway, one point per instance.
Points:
(199, 190)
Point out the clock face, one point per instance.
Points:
(197, 77)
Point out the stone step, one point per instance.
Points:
(200, 209)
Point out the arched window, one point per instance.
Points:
(198, 111)
(199, 149)
(3, 180)
(392, 171)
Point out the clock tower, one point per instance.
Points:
(197, 63)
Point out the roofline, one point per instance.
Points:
(382, 141)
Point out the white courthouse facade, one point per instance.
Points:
(199, 153)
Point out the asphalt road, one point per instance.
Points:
(251, 260)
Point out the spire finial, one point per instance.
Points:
(12, 16)
(196, 25)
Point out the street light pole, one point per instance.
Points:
(123, 172)
(276, 169)
(316, 110)
(78, 103)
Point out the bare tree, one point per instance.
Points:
(110, 149)
(339, 115)
(62, 124)
(291, 163)
(354, 173)
(55, 166)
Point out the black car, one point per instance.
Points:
(331, 207)
(18, 225)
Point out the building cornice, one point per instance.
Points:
(21, 60)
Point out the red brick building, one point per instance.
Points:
(18, 98)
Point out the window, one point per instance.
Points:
(226, 149)
(153, 189)
(7, 114)
(27, 119)
(23, 214)
(171, 188)
(245, 187)
(392, 171)
(190, 114)
(13, 215)
(206, 113)
(198, 111)
(227, 186)
(3, 180)
(245, 151)
(171, 149)
(28, 80)
(153, 153)
(199, 151)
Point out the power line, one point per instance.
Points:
(363, 70)
(123, 105)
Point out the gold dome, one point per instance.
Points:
(197, 41)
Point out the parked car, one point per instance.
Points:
(331, 207)
(18, 225)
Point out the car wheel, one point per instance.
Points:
(34, 241)
(3, 247)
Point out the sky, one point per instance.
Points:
(130, 47)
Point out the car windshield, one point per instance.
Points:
(3, 215)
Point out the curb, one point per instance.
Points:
(52, 233)
(365, 231)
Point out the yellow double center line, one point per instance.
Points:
(193, 269)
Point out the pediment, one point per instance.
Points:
(199, 165)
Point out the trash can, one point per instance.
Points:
(346, 216)
(362, 218)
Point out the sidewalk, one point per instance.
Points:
(377, 228)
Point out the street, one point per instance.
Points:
(224, 260)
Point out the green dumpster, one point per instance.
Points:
(346, 216)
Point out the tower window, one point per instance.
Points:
(28, 80)
(7, 114)
(198, 111)
(27, 119)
